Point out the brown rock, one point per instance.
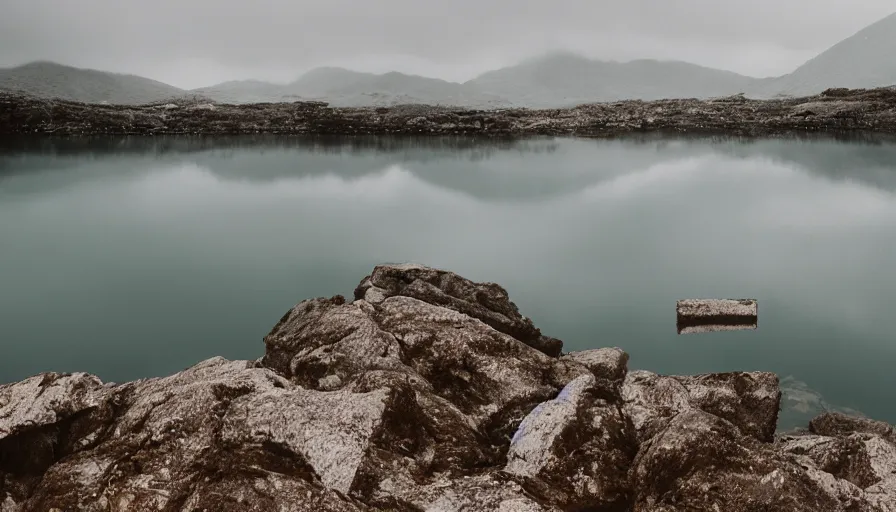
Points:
(43, 419)
(702, 462)
(427, 394)
(749, 400)
(864, 461)
(603, 363)
(836, 424)
(487, 302)
(575, 450)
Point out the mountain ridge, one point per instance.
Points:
(862, 60)
(50, 79)
(555, 79)
(542, 81)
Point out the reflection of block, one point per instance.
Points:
(710, 315)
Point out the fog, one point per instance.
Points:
(194, 43)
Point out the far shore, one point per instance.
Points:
(835, 111)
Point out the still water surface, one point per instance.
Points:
(132, 257)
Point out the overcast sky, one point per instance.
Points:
(193, 43)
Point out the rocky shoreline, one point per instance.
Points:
(834, 111)
(428, 392)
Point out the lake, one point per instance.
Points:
(129, 257)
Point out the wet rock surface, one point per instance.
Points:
(835, 110)
(428, 392)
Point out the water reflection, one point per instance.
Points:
(453, 162)
(133, 257)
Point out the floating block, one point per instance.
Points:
(711, 315)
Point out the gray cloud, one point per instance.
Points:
(192, 43)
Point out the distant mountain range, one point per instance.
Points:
(863, 61)
(50, 80)
(343, 87)
(559, 79)
(565, 79)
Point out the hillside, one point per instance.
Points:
(342, 87)
(51, 80)
(345, 88)
(565, 79)
(245, 91)
(555, 80)
(864, 60)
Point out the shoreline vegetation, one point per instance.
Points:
(835, 111)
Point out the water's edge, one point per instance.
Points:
(833, 111)
(387, 402)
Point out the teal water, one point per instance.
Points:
(130, 258)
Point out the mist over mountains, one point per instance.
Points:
(558, 79)
(864, 60)
(51, 80)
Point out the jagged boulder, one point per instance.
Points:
(604, 363)
(838, 424)
(491, 377)
(43, 419)
(165, 444)
(750, 401)
(575, 450)
(487, 302)
(855, 455)
(700, 461)
(428, 392)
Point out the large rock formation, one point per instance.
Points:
(428, 392)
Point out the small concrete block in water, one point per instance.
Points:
(711, 315)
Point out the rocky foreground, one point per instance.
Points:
(428, 392)
(834, 111)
